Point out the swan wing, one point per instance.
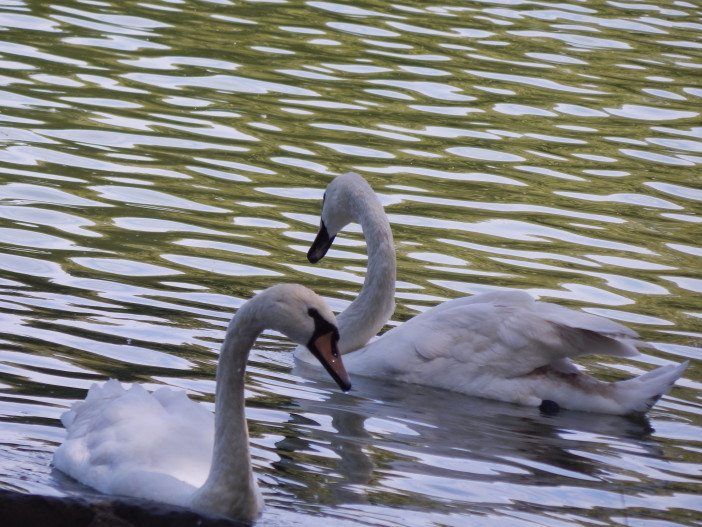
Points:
(506, 334)
(134, 443)
(501, 297)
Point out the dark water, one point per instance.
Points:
(160, 161)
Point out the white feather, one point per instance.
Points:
(161, 446)
(500, 345)
(133, 443)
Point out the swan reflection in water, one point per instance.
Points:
(415, 445)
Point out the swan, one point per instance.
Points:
(499, 345)
(164, 447)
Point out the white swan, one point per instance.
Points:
(500, 345)
(168, 448)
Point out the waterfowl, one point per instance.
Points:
(163, 446)
(501, 345)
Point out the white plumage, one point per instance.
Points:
(162, 446)
(500, 345)
(130, 442)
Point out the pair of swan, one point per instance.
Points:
(499, 345)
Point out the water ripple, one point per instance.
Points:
(161, 162)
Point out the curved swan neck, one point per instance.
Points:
(231, 488)
(375, 304)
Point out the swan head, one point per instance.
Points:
(305, 318)
(343, 200)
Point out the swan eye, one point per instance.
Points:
(321, 324)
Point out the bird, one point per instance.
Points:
(165, 447)
(501, 345)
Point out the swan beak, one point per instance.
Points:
(320, 245)
(325, 349)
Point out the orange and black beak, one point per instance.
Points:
(324, 347)
(320, 245)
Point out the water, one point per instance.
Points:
(163, 160)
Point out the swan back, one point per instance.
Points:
(130, 442)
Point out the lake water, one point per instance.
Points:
(163, 160)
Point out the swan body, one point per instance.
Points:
(112, 435)
(501, 345)
(162, 446)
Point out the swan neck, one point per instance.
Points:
(375, 304)
(231, 488)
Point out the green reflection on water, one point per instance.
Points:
(553, 148)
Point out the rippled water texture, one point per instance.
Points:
(163, 160)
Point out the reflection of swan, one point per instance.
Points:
(500, 345)
(344, 435)
(418, 417)
(165, 447)
(401, 447)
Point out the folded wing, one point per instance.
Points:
(505, 333)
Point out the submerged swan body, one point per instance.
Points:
(500, 345)
(162, 446)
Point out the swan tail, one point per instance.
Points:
(638, 395)
(108, 390)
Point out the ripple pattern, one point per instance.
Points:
(161, 161)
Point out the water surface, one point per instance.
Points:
(163, 160)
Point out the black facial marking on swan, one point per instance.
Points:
(321, 325)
